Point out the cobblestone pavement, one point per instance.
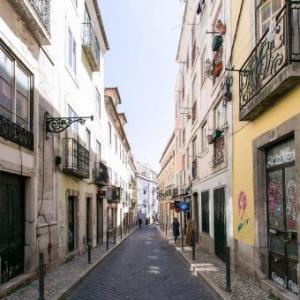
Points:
(62, 279)
(213, 270)
(143, 267)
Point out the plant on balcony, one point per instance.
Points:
(217, 42)
(209, 66)
(221, 28)
(217, 133)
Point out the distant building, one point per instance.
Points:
(146, 183)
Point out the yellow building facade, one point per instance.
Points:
(266, 145)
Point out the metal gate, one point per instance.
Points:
(11, 226)
(219, 223)
(282, 215)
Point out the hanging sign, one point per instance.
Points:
(184, 206)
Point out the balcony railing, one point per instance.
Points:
(42, 8)
(77, 159)
(91, 46)
(175, 192)
(274, 52)
(194, 169)
(101, 174)
(36, 16)
(113, 194)
(15, 133)
(219, 151)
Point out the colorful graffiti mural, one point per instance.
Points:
(242, 206)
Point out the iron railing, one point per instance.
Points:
(219, 151)
(113, 194)
(90, 41)
(101, 174)
(42, 8)
(194, 168)
(272, 53)
(15, 133)
(77, 159)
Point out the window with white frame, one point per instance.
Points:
(88, 140)
(204, 132)
(71, 51)
(109, 133)
(98, 150)
(203, 66)
(219, 116)
(15, 90)
(116, 144)
(73, 129)
(268, 9)
(98, 104)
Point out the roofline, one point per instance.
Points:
(98, 13)
(167, 146)
(181, 33)
(114, 88)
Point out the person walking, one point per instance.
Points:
(175, 228)
(140, 223)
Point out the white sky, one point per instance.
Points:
(143, 36)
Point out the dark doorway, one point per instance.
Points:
(196, 214)
(219, 222)
(282, 215)
(88, 221)
(11, 226)
(71, 223)
(100, 220)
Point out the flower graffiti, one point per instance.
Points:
(242, 205)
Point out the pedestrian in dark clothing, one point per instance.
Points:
(175, 228)
(140, 223)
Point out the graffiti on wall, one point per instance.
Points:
(242, 206)
(291, 205)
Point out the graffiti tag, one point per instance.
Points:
(280, 281)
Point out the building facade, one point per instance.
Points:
(146, 185)
(166, 186)
(59, 172)
(266, 143)
(203, 122)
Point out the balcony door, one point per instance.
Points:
(71, 224)
(282, 215)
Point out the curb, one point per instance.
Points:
(75, 284)
(210, 283)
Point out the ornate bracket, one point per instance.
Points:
(59, 124)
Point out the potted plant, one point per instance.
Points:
(217, 68)
(217, 134)
(221, 28)
(217, 42)
(210, 139)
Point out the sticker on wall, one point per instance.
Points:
(242, 206)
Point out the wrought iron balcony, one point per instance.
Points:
(219, 151)
(91, 46)
(77, 159)
(15, 133)
(113, 194)
(194, 169)
(101, 174)
(36, 15)
(272, 68)
(175, 192)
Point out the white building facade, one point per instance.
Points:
(147, 200)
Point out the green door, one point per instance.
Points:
(11, 226)
(219, 222)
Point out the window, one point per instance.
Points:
(203, 66)
(98, 104)
(88, 140)
(71, 51)
(219, 116)
(204, 132)
(194, 112)
(188, 157)
(183, 136)
(15, 90)
(98, 150)
(194, 149)
(268, 10)
(109, 133)
(116, 144)
(205, 211)
(120, 152)
(74, 127)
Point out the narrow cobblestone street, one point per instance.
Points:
(143, 267)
